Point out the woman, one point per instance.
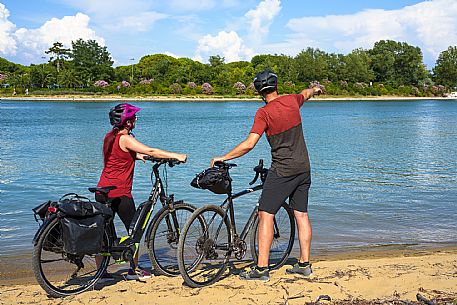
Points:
(120, 150)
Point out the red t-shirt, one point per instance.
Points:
(118, 171)
(281, 121)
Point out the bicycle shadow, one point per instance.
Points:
(237, 266)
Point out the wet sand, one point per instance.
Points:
(382, 273)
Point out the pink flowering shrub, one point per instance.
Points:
(125, 84)
(360, 85)
(316, 84)
(289, 84)
(175, 88)
(240, 87)
(3, 77)
(146, 81)
(101, 83)
(191, 85)
(207, 88)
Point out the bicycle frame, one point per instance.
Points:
(143, 217)
(230, 212)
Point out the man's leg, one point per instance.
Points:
(304, 235)
(265, 237)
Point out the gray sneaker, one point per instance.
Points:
(305, 271)
(255, 274)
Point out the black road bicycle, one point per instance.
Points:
(204, 251)
(61, 274)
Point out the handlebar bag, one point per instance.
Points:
(214, 179)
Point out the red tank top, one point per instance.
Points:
(118, 171)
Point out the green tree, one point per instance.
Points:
(355, 67)
(312, 64)
(445, 70)
(58, 55)
(397, 63)
(91, 61)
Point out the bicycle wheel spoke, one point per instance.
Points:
(164, 239)
(62, 274)
(204, 250)
(283, 238)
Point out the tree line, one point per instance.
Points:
(389, 68)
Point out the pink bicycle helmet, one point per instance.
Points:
(121, 113)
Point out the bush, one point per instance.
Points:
(175, 88)
(207, 89)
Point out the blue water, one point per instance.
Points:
(383, 172)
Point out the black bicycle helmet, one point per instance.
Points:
(265, 80)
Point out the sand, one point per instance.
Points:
(385, 276)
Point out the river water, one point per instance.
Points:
(384, 173)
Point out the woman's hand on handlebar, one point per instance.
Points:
(141, 157)
(216, 159)
(181, 158)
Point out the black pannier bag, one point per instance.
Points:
(215, 179)
(83, 224)
(53, 241)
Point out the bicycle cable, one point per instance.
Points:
(165, 174)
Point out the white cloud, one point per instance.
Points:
(7, 42)
(141, 22)
(261, 17)
(431, 25)
(33, 42)
(227, 44)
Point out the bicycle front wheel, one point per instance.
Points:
(203, 253)
(162, 242)
(283, 238)
(61, 274)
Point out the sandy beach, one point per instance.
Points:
(378, 277)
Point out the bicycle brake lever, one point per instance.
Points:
(255, 179)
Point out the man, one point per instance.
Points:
(289, 175)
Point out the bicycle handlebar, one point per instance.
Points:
(259, 171)
(171, 162)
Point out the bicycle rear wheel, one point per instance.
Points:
(283, 238)
(61, 274)
(203, 253)
(162, 242)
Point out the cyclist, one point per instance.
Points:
(289, 175)
(120, 150)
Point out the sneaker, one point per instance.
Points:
(138, 274)
(255, 274)
(106, 277)
(305, 271)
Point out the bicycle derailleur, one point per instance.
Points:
(240, 248)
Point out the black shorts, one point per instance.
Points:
(277, 189)
(123, 206)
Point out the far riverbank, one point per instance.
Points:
(173, 98)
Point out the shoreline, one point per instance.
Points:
(16, 268)
(386, 275)
(83, 98)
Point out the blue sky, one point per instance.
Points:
(235, 29)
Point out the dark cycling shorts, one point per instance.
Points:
(277, 189)
(124, 207)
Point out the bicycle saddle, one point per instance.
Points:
(103, 190)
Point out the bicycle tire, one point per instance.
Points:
(47, 282)
(166, 264)
(206, 243)
(280, 250)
